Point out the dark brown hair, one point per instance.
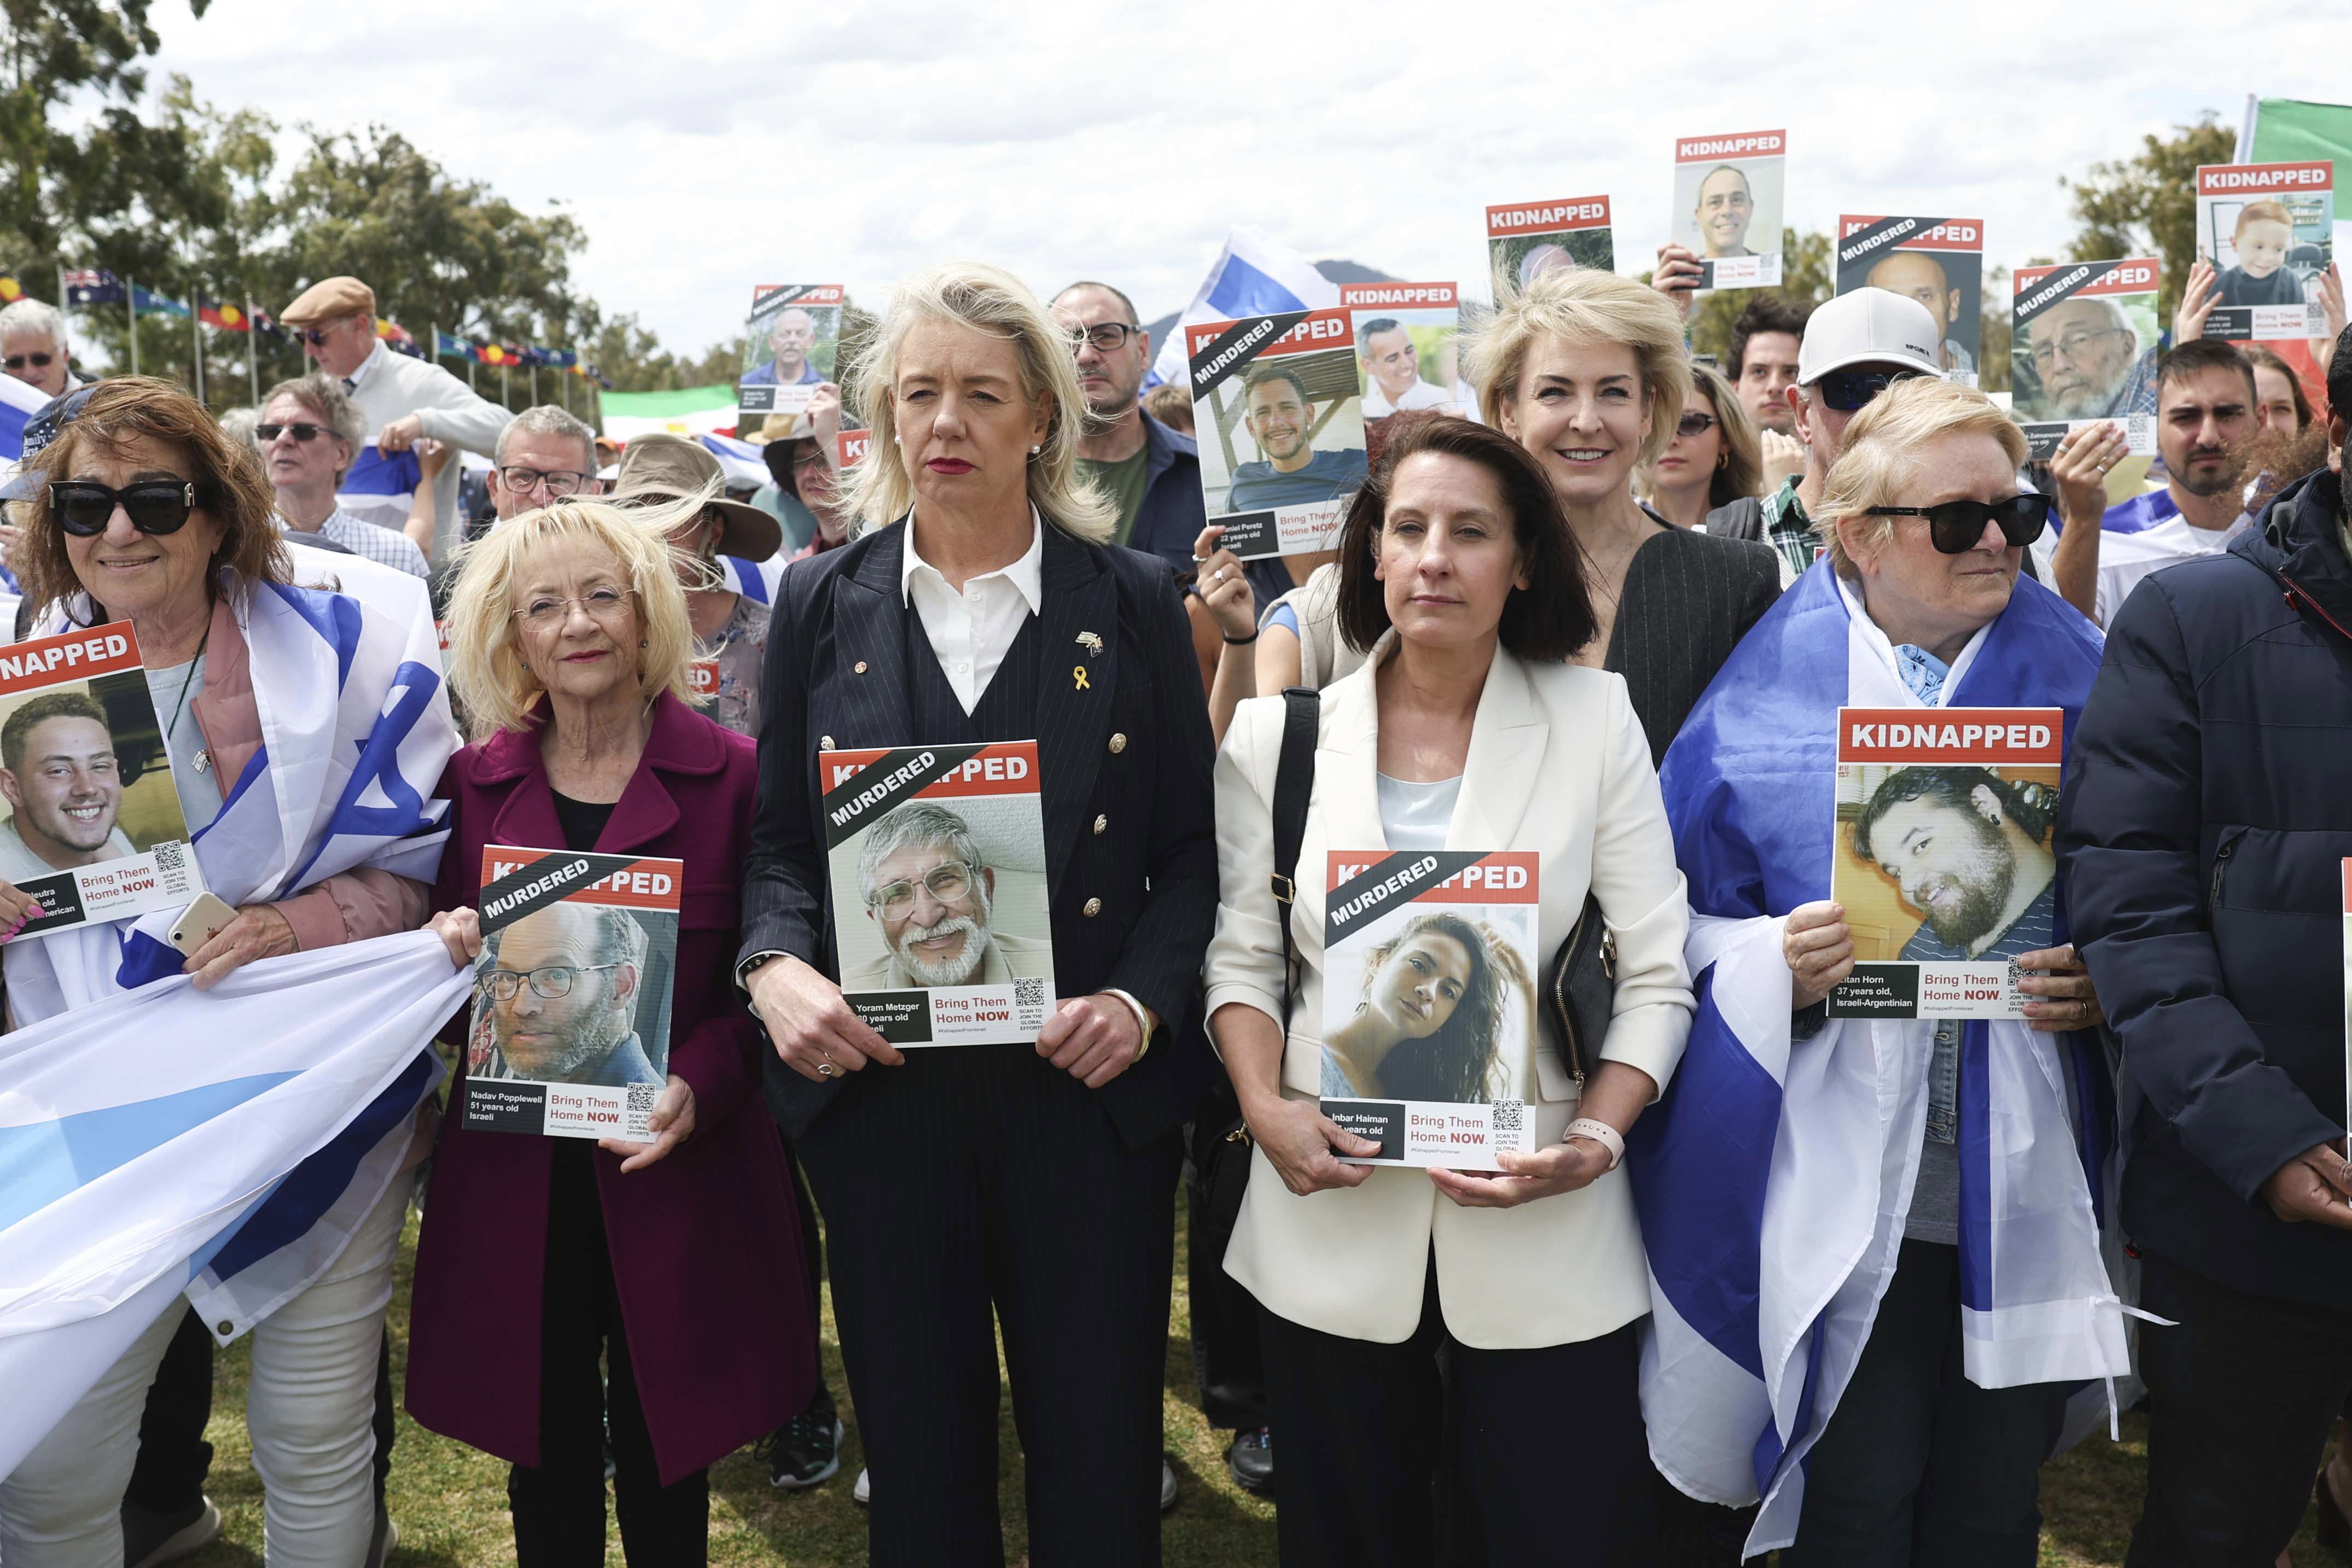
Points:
(228, 478)
(1544, 622)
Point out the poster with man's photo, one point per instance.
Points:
(569, 1034)
(2267, 230)
(1728, 194)
(1945, 863)
(791, 340)
(936, 859)
(2082, 342)
(1404, 334)
(1429, 1006)
(1940, 262)
(94, 829)
(1279, 416)
(1526, 239)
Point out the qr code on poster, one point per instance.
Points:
(171, 857)
(638, 1118)
(1510, 1116)
(1029, 993)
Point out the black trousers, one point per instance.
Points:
(1552, 1455)
(1228, 1368)
(559, 1503)
(812, 1264)
(2240, 1396)
(1919, 1466)
(174, 1458)
(977, 1183)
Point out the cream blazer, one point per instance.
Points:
(1558, 764)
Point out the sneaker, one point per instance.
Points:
(385, 1537)
(1249, 1459)
(1167, 1486)
(150, 1538)
(862, 1494)
(805, 1451)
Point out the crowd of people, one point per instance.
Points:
(1770, 1279)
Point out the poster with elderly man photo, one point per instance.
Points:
(1940, 262)
(936, 859)
(1944, 864)
(792, 341)
(2082, 342)
(94, 830)
(570, 1034)
(1728, 201)
(1279, 415)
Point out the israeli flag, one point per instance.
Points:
(739, 460)
(1252, 276)
(754, 580)
(380, 488)
(19, 401)
(1774, 1178)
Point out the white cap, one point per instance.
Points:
(1869, 326)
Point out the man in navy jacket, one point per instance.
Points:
(2205, 821)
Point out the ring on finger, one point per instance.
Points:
(1220, 574)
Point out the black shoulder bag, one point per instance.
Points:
(1579, 991)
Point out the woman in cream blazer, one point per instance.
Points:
(1458, 573)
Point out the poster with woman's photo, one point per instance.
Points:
(936, 859)
(2083, 342)
(1729, 194)
(1526, 239)
(569, 1034)
(1429, 1006)
(1404, 334)
(1945, 863)
(2266, 229)
(1279, 416)
(94, 829)
(792, 341)
(1940, 262)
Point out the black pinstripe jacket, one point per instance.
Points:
(1689, 597)
(1124, 762)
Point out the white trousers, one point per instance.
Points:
(308, 1409)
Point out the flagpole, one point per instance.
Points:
(535, 381)
(506, 387)
(197, 337)
(130, 303)
(252, 352)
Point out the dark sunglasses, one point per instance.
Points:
(1955, 527)
(301, 430)
(1695, 421)
(19, 361)
(154, 505)
(311, 334)
(1846, 390)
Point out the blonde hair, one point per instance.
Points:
(1882, 450)
(2263, 211)
(1582, 305)
(485, 660)
(993, 302)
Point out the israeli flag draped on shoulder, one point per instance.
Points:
(1773, 1179)
(1252, 276)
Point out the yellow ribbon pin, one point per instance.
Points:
(1078, 677)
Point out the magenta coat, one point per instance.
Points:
(705, 1245)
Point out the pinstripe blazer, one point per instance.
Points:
(1125, 763)
(1689, 597)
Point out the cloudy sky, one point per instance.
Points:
(705, 149)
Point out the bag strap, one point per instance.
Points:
(1294, 782)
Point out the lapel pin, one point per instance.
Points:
(1078, 678)
(861, 666)
(1090, 643)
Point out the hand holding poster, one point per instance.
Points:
(2083, 348)
(1429, 1010)
(936, 856)
(1404, 336)
(791, 340)
(1728, 189)
(571, 1001)
(2266, 229)
(1526, 239)
(94, 830)
(1943, 862)
(1940, 262)
(1278, 414)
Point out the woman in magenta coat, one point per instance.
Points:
(677, 1260)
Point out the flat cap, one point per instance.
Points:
(327, 298)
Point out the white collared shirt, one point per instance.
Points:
(375, 351)
(972, 630)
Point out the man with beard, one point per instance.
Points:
(64, 788)
(1150, 472)
(2205, 417)
(790, 340)
(927, 889)
(563, 999)
(1917, 275)
(1281, 419)
(2087, 355)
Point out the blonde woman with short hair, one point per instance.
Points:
(966, 1189)
(677, 1261)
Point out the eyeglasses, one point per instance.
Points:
(1846, 390)
(553, 982)
(947, 883)
(301, 430)
(1955, 527)
(154, 505)
(557, 482)
(19, 361)
(2074, 345)
(314, 336)
(809, 459)
(1106, 339)
(1695, 421)
(604, 605)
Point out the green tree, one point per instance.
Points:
(2146, 204)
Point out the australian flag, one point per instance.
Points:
(93, 286)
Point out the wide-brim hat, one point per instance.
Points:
(660, 466)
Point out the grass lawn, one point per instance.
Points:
(450, 1501)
